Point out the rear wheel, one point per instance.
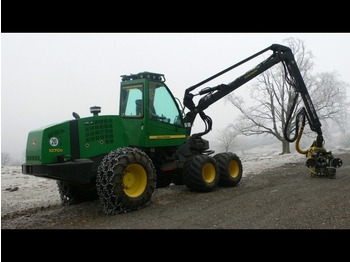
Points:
(200, 173)
(71, 194)
(126, 179)
(230, 169)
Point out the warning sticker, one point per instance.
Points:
(53, 141)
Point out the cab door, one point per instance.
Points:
(133, 114)
(165, 124)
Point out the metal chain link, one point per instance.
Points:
(111, 202)
(63, 190)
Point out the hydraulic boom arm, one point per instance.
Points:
(319, 160)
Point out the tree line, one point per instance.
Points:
(7, 160)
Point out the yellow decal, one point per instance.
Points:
(250, 73)
(167, 136)
(55, 150)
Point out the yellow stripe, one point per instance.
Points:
(167, 136)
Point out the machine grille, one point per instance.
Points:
(99, 130)
(33, 158)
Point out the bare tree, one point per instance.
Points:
(5, 158)
(345, 136)
(24, 154)
(273, 96)
(227, 137)
(345, 139)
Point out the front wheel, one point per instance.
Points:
(230, 168)
(126, 179)
(200, 173)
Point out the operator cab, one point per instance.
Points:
(160, 103)
(149, 111)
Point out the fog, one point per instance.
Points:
(47, 76)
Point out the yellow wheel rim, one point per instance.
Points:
(209, 172)
(233, 169)
(134, 180)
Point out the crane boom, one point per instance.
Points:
(321, 161)
(280, 54)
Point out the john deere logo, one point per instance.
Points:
(53, 141)
(34, 142)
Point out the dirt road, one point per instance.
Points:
(285, 197)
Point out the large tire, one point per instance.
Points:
(71, 194)
(200, 173)
(230, 169)
(126, 179)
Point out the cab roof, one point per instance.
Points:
(142, 75)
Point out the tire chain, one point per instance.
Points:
(71, 194)
(66, 198)
(105, 184)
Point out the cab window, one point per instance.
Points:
(131, 101)
(163, 107)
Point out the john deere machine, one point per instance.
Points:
(121, 159)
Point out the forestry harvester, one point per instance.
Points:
(121, 159)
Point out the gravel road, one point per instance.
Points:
(276, 197)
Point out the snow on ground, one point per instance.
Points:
(257, 164)
(257, 160)
(19, 192)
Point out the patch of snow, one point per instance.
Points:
(19, 191)
(259, 159)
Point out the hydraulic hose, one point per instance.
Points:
(208, 125)
(299, 117)
(288, 122)
(299, 150)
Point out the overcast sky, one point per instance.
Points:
(45, 77)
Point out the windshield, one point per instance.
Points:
(162, 105)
